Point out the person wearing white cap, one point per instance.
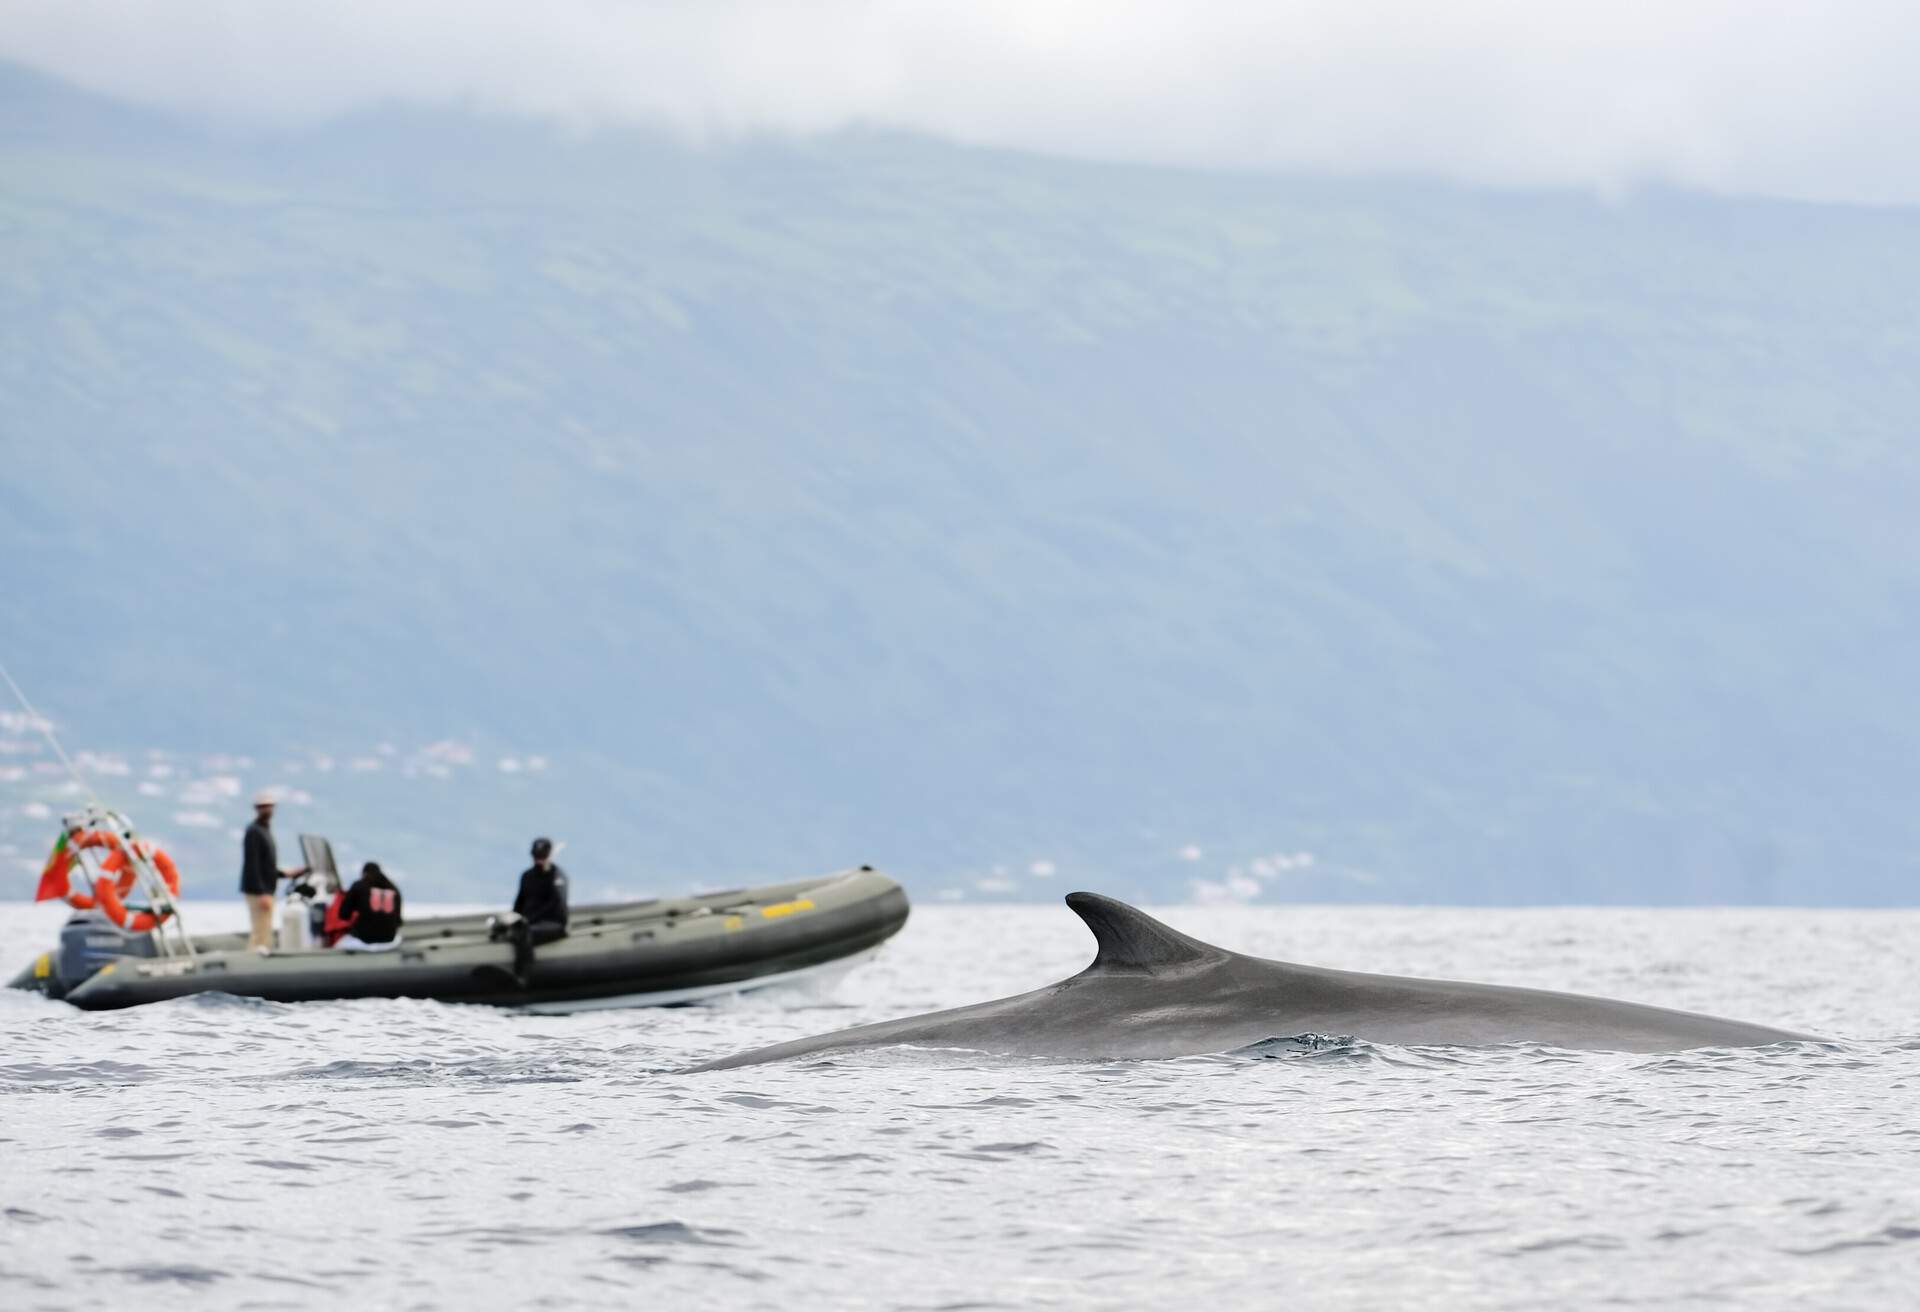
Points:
(260, 872)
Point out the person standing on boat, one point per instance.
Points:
(260, 872)
(371, 910)
(540, 905)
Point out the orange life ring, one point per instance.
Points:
(117, 878)
(117, 863)
(62, 868)
(111, 894)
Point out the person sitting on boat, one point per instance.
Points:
(371, 912)
(539, 909)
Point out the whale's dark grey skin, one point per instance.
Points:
(1154, 992)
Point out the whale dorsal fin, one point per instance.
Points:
(1134, 943)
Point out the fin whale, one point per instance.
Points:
(1155, 992)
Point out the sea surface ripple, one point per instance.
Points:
(223, 1153)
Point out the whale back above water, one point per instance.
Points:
(1152, 991)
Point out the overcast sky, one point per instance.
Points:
(1795, 98)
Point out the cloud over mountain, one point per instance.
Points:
(1796, 99)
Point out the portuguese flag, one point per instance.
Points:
(53, 877)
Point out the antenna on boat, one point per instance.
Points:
(45, 726)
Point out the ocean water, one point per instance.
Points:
(226, 1154)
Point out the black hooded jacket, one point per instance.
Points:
(543, 895)
(371, 908)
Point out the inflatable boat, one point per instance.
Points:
(655, 952)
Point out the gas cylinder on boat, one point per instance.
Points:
(296, 926)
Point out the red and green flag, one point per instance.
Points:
(53, 877)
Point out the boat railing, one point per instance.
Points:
(170, 935)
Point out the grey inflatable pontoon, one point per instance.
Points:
(658, 952)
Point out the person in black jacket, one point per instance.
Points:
(540, 908)
(371, 909)
(260, 872)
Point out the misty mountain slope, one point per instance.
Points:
(874, 499)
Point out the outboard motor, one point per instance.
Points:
(88, 941)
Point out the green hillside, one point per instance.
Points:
(873, 499)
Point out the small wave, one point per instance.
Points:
(1338, 1048)
(217, 1002)
(168, 1273)
(1287, 1045)
(422, 1070)
(1885, 1237)
(673, 1232)
(57, 1074)
(997, 1152)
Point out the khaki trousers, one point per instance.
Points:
(259, 920)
